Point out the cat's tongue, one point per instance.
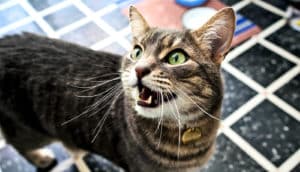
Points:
(145, 95)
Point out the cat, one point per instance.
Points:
(155, 109)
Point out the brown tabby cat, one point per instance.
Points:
(156, 109)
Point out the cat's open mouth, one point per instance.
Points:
(150, 98)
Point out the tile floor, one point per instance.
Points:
(261, 111)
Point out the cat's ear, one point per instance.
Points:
(216, 35)
(138, 24)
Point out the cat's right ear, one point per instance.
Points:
(216, 35)
(138, 24)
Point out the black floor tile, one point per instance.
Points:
(115, 48)
(116, 19)
(236, 94)
(287, 38)
(64, 17)
(11, 161)
(11, 15)
(271, 131)
(262, 65)
(99, 164)
(296, 169)
(40, 5)
(30, 27)
(291, 92)
(96, 5)
(282, 4)
(230, 158)
(86, 35)
(230, 2)
(258, 15)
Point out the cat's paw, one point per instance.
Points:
(42, 158)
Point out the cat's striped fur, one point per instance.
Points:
(38, 102)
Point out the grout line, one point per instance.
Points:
(103, 43)
(8, 4)
(102, 24)
(291, 162)
(240, 5)
(47, 11)
(273, 28)
(54, 8)
(251, 151)
(106, 9)
(270, 8)
(42, 23)
(220, 129)
(280, 51)
(30, 18)
(70, 27)
(2, 143)
(73, 26)
(252, 103)
(85, 10)
(252, 41)
(125, 31)
(243, 110)
(87, 19)
(50, 10)
(252, 84)
(15, 25)
(284, 106)
(240, 49)
(243, 77)
(283, 79)
(125, 43)
(89, 13)
(64, 165)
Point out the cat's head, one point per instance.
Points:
(176, 73)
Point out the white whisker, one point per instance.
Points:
(106, 100)
(97, 85)
(179, 125)
(200, 108)
(91, 107)
(101, 122)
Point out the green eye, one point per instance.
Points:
(136, 53)
(176, 58)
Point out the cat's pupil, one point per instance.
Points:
(138, 52)
(176, 57)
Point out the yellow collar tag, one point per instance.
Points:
(191, 135)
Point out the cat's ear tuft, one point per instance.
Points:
(138, 24)
(216, 35)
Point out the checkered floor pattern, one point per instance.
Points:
(261, 111)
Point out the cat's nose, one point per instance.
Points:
(142, 71)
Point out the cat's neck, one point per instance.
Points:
(166, 142)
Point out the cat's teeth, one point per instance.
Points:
(149, 100)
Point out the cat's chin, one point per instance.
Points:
(147, 112)
(164, 109)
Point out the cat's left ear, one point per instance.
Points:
(138, 24)
(216, 35)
